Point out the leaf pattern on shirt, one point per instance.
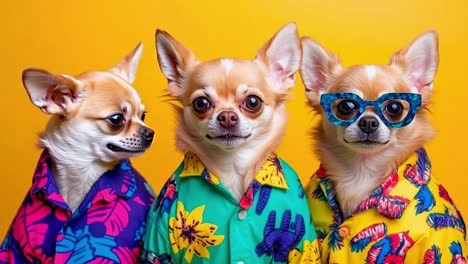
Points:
(445, 220)
(369, 234)
(114, 216)
(390, 249)
(457, 253)
(82, 246)
(29, 230)
(424, 225)
(433, 255)
(106, 227)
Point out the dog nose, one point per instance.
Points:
(146, 135)
(227, 119)
(368, 124)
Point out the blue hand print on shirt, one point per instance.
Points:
(278, 242)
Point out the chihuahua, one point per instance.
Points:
(373, 197)
(86, 202)
(225, 201)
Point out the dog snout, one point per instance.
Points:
(227, 119)
(368, 124)
(146, 135)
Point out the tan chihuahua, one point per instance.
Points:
(231, 119)
(233, 111)
(373, 199)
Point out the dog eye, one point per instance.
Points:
(201, 104)
(347, 107)
(252, 103)
(143, 116)
(394, 109)
(116, 120)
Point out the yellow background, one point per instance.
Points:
(75, 36)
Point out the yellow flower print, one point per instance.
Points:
(310, 254)
(188, 231)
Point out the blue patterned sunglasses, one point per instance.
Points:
(394, 109)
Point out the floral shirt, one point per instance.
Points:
(197, 220)
(107, 227)
(409, 218)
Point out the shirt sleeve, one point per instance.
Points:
(10, 252)
(446, 245)
(156, 245)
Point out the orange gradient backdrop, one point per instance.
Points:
(75, 36)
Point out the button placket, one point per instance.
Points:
(242, 215)
(343, 231)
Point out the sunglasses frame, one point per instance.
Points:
(414, 100)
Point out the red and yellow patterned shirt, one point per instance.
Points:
(409, 218)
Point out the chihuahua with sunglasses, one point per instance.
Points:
(373, 197)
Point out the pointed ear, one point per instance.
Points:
(127, 67)
(53, 94)
(318, 67)
(174, 60)
(282, 56)
(419, 60)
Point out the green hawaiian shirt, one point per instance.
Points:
(197, 220)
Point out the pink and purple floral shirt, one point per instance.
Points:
(106, 228)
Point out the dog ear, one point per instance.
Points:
(318, 67)
(174, 60)
(282, 56)
(419, 60)
(127, 67)
(53, 94)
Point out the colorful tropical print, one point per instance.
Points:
(280, 241)
(409, 218)
(369, 234)
(189, 232)
(197, 220)
(432, 255)
(311, 253)
(107, 227)
(390, 249)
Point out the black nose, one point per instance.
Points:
(227, 119)
(368, 124)
(146, 136)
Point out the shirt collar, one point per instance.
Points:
(120, 179)
(271, 172)
(393, 196)
(43, 178)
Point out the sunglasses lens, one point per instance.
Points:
(345, 109)
(395, 110)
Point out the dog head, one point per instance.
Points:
(96, 115)
(370, 109)
(230, 104)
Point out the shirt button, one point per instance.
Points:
(343, 231)
(240, 262)
(242, 215)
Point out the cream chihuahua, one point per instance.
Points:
(97, 121)
(86, 202)
(373, 197)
